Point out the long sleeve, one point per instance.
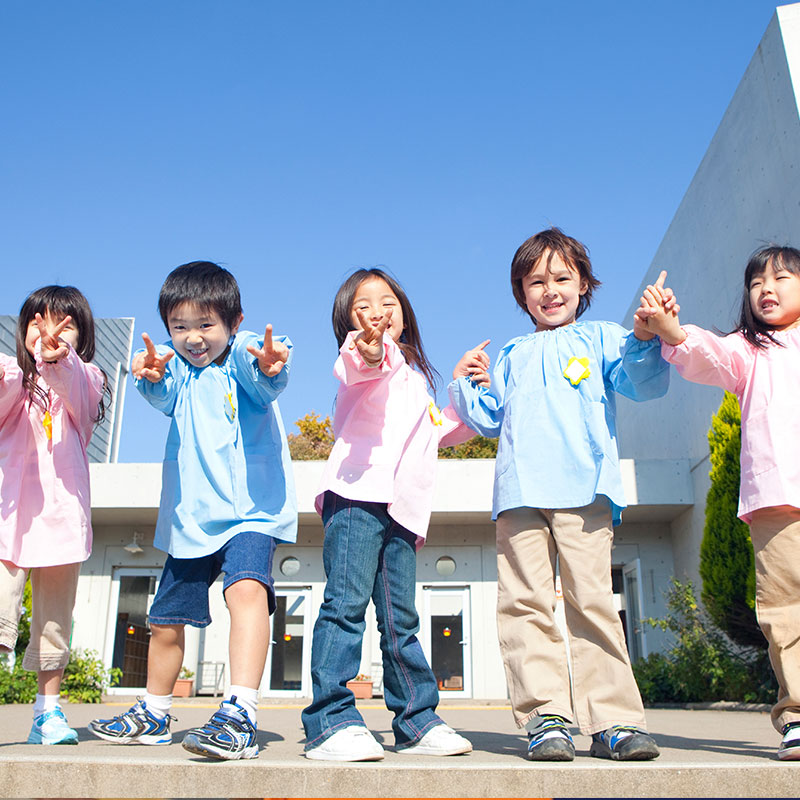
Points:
(634, 368)
(78, 384)
(703, 357)
(261, 389)
(351, 369)
(12, 392)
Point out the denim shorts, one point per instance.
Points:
(182, 596)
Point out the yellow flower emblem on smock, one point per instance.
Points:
(436, 415)
(576, 370)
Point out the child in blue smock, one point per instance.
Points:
(227, 497)
(557, 495)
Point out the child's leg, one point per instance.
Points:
(354, 537)
(12, 590)
(164, 658)
(532, 646)
(775, 533)
(605, 691)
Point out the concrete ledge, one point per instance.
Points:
(707, 753)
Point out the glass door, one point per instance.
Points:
(637, 640)
(128, 631)
(288, 669)
(446, 638)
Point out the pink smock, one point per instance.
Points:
(45, 512)
(388, 431)
(767, 383)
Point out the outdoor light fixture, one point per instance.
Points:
(133, 548)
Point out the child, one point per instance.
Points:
(760, 362)
(51, 397)
(227, 496)
(375, 500)
(557, 494)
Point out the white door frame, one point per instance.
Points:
(288, 591)
(454, 589)
(113, 608)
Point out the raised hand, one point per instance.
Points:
(53, 348)
(474, 364)
(658, 313)
(369, 340)
(271, 356)
(150, 365)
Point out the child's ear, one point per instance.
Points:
(236, 325)
(584, 287)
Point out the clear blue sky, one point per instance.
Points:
(295, 141)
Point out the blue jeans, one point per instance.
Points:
(367, 554)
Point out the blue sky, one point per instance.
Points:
(295, 141)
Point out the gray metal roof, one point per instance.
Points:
(114, 339)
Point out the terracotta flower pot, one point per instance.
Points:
(361, 689)
(184, 687)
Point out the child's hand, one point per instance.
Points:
(474, 364)
(658, 314)
(53, 349)
(150, 365)
(369, 340)
(271, 355)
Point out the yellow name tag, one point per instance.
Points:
(436, 415)
(47, 424)
(577, 369)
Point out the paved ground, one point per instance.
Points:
(705, 753)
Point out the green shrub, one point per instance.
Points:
(726, 554)
(701, 664)
(85, 680)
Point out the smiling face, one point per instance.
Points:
(199, 334)
(775, 297)
(552, 292)
(374, 297)
(69, 334)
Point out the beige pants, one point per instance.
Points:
(53, 591)
(775, 533)
(604, 692)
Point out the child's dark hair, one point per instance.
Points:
(207, 285)
(549, 242)
(410, 341)
(58, 302)
(756, 332)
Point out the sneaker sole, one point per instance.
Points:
(314, 756)
(146, 739)
(791, 754)
(220, 755)
(430, 751)
(552, 750)
(41, 740)
(638, 753)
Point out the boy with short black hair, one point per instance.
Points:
(227, 497)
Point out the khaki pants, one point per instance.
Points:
(775, 533)
(53, 591)
(604, 692)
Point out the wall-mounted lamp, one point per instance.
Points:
(134, 547)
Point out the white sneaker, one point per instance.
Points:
(441, 740)
(790, 746)
(353, 743)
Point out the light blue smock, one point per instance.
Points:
(223, 473)
(558, 443)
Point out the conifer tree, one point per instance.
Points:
(726, 554)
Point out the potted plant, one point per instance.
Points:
(361, 686)
(184, 685)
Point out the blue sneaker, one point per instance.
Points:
(52, 728)
(228, 735)
(624, 743)
(550, 740)
(136, 726)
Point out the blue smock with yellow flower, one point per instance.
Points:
(552, 404)
(227, 468)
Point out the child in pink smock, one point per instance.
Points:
(760, 363)
(51, 397)
(375, 499)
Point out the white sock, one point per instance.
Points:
(45, 702)
(247, 698)
(158, 704)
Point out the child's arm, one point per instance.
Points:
(369, 340)
(658, 313)
(150, 365)
(272, 354)
(474, 364)
(12, 391)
